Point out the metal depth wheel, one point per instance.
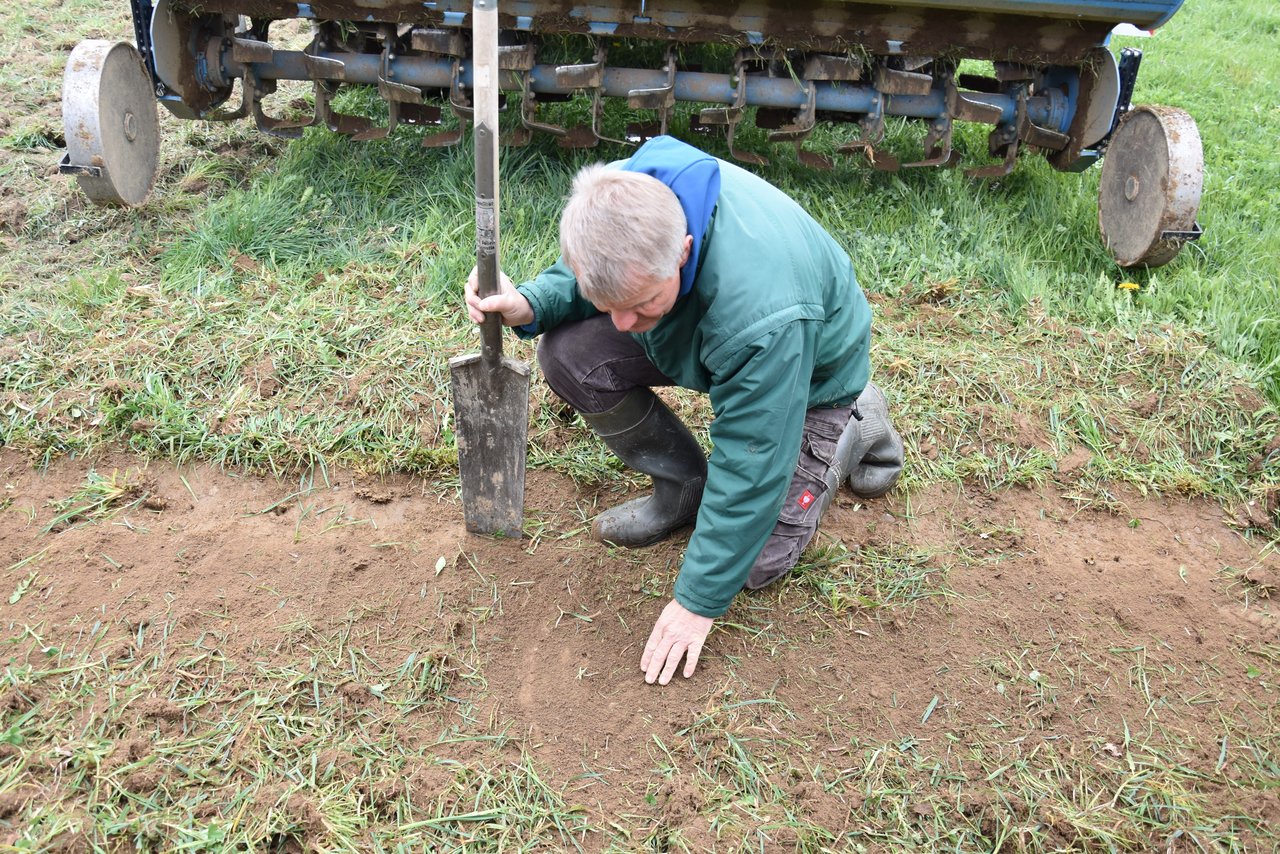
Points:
(179, 40)
(109, 118)
(1149, 192)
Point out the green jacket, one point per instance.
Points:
(775, 324)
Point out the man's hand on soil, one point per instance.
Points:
(508, 302)
(679, 633)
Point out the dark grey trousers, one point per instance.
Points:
(592, 366)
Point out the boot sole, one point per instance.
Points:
(870, 495)
(641, 544)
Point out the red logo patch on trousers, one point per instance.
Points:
(805, 500)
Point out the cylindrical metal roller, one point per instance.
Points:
(1049, 109)
(109, 118)
(1149, 192)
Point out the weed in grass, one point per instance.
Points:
(100, 496)
(871, 577)
(1256, 586)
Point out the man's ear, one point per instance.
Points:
(688, 249)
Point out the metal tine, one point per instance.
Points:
(826, 66)
(638, 132)
(1013, 72)
(381, 132)
(517, 137)
(419, 114)
(245, 51)
(878, 159)
(342, 123)
(443, 42)
(581, 77)
(248, 51)
(966, 110)
(1023, 130)
(521, 59)
(588, 75)
(872, 135)
(1033, 134)
(813, 159)
(328, 75)
(1004, 137)
(806, 119)
(392, 92)
(597, 109)
(891, 81)
(661, 99)
(579, 136)
(940, 129)
(448, 42)
(245, 101)
(937, 155)
(731, 116)
(270, 125)
(460, 107)
(230, 115)
(529, 109)
(882, 161)
(323, 68)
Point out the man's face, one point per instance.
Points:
(647, 302)
(645, 305)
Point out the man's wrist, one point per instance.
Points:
(530, 326)
(702, 609)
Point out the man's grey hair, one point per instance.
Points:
(620, 230)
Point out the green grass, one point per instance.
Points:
(274, 311)
(870, 578)
(349, 748)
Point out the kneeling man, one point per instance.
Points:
(679, 269)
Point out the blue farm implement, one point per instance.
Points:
(1038, 73)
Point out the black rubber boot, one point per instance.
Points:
(649, 438)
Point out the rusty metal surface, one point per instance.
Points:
(878, 29)
(109, 121)
(1092, 85)
(491, 418)
(799, 64)
(1149, 192)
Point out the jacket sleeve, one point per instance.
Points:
(555, 299)
(759, 401)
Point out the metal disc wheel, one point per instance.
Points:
(1103, 77)
(109, 118)
(175, 33)
(1149, 192)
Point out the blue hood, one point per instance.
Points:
(694, 176)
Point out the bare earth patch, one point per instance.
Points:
(1032, 633)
